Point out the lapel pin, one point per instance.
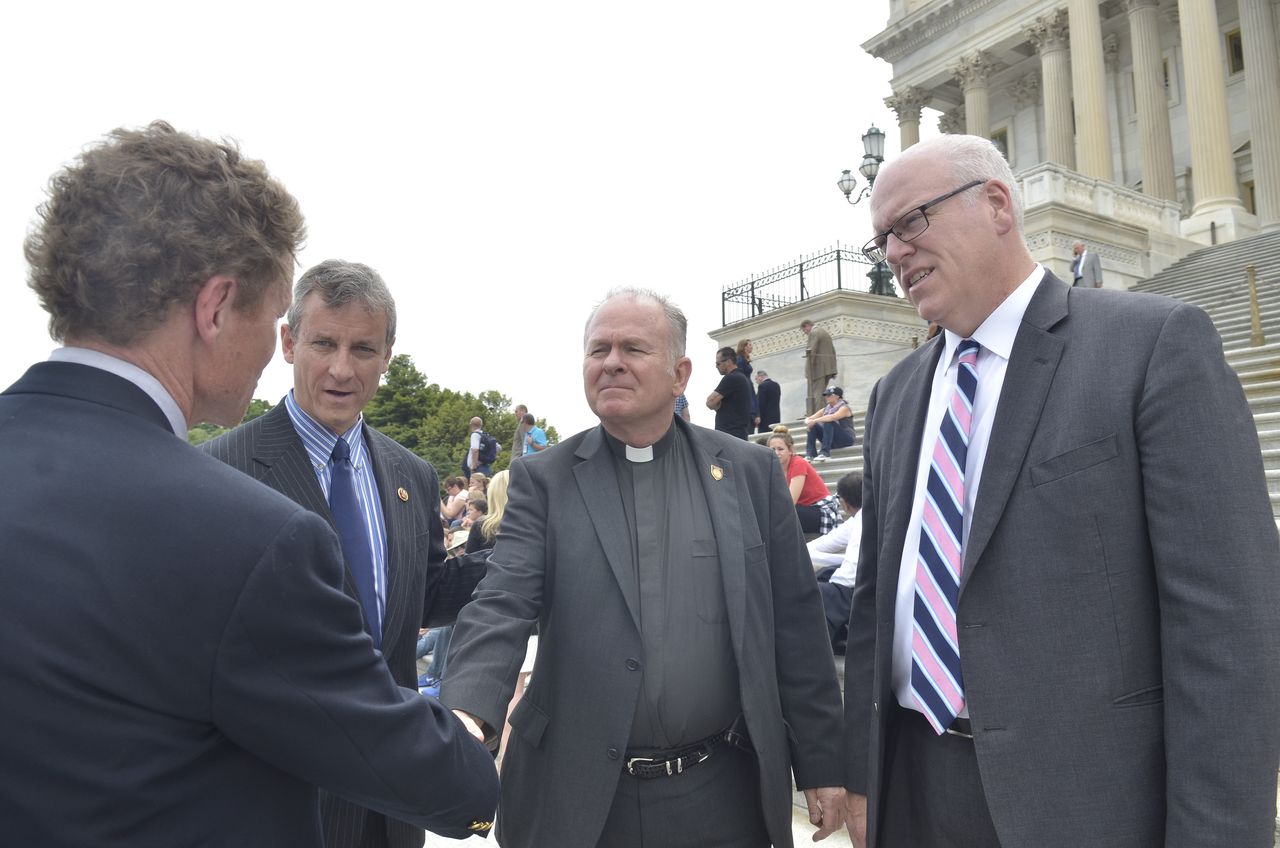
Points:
(717, 473)
(403, 493)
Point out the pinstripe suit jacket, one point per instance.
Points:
(270, 450)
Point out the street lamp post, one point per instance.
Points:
(881, 280)
(873, 147)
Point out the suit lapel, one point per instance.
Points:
(1032, 363)
(727, 499)
(285, 465)
(390, 477)
(598, 485)
(904, 432)
(287, 468)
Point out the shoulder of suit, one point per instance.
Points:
(730, 446)
(249, 432)
(230, 493)
(382, 442)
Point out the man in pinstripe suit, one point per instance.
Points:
(338, 337)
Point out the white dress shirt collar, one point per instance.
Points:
(997, 333)
(127, 371)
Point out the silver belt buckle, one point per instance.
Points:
(631, 764)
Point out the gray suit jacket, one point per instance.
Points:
(1119, 605)
(1090, 270)
(560, 562)
(270, 450)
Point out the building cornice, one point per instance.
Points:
(921, 27)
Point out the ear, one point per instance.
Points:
(386, 358)
(1000, 201)
(213, 305)
(684, 367)
(287, 342)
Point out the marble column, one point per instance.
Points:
(907, 103)
(974, 72)
(1089, 85)
(1213, 170)
(1049, 36)
(1262, 79)
(1026, 97)
(1152, 101)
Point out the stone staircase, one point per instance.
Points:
(844, 460)
(1213, 279)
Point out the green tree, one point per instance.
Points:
(202, 433)
(434, 422)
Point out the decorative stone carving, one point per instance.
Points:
(1134, 5)
(952, 121)
(1050, 32)
(1111, 52)
(975, 69)
(1026, 90)
(907, 103)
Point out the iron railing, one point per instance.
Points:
(839, 268)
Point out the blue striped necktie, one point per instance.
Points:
(354, 533)
(937, 685)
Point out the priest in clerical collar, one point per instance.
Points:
(683, 673)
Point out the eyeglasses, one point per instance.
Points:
(910, 225)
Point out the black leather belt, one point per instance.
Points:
(673, 762)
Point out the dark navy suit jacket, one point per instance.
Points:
(181, 664)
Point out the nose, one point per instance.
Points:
(340, 366)
(613, 363)
(895, 249)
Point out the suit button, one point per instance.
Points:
(613, 753)
(633, 664)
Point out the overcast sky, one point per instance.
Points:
(502, 164)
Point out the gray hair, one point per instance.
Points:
(677, 324)
(339, 282)
(967, 158)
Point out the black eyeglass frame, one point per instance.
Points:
(874, 249)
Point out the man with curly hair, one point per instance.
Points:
(183, 663)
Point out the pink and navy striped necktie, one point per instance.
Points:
(936, 682)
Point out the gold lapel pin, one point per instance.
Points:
(403, 493)
(717, 473)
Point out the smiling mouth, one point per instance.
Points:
(917, 277)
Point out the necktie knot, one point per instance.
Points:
(341, 451)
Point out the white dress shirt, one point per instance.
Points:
(840, 548)
(996, 335)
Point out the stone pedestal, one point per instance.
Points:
(871, 334)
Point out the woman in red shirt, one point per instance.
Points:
(807, 489)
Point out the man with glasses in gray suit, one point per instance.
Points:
(1065, 627)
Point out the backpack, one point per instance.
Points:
(488, 449)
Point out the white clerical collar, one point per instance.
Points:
(639, 454)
